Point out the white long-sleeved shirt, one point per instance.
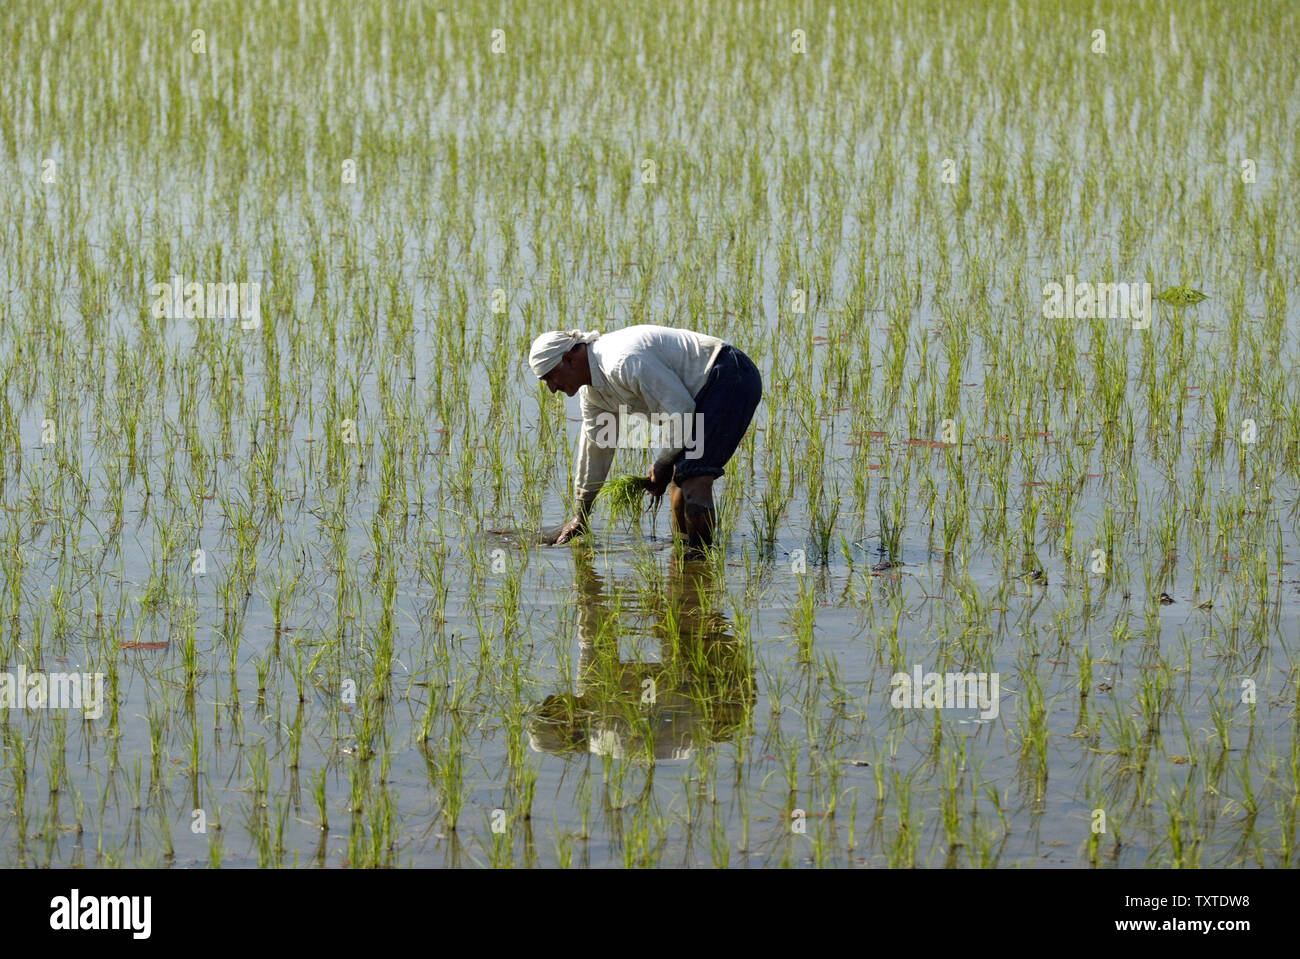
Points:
(652, 370)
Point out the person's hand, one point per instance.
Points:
(658, 476)
(575, 527)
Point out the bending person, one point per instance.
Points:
(698, 392)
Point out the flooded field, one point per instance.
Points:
(1007, 574)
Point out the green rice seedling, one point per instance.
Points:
(295, 739)
(56, 756)
(17, 763)
(805, 619)
(625, 496)
(136, 786)
(1032, 716)
(1184, 844)
(298, 671)
(216, 849)
(772, 505)
(891, 538)
(823, 528)
(260, 769)
(949, 803)
(902, 852)
(157, 727)
(426, 724)
(165, 833)
(320, 794)
(190, 658)
(263, 666)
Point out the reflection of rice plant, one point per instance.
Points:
(322, 803)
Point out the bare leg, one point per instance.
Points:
(701, 516)
(679, 510)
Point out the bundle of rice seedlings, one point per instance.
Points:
(1182, 296)
(624, 495)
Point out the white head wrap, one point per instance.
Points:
(548, 348)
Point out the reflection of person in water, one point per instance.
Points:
(701, 691)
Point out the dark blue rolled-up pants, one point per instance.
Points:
(724, 407)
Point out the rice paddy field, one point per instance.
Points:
(270, 516)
